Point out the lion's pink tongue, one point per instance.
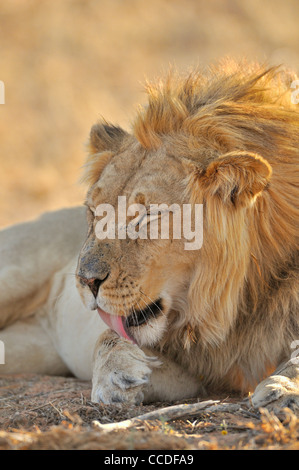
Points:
(116, 323)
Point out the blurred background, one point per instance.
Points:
(66, 63)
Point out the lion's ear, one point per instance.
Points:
(104, 141)
(104, 136)
(236, 178)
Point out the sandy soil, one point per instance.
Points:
(41, 412)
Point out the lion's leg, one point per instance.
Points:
(28, 349)
(122, 372)
(280, 390)
(30, 253)
(170, 382)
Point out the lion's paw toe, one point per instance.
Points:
(120, 387)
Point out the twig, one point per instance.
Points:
(250, 414)
(56, 409)
(224, 407)
(166, 414)
(40, 406)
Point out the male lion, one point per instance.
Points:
(184, 323)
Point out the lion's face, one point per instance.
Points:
(143, 278)
(186, 149)
(136, 282)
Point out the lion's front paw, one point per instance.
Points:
(275, 393)
(121, 369)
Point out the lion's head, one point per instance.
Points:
(226, 139)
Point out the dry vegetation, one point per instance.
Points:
(65, 64)
(56, 413)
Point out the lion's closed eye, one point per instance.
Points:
(90, 214)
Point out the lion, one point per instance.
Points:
(145, 319)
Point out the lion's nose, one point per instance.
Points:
(93, 283)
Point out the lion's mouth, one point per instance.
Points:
(122, 325)
(139, 317)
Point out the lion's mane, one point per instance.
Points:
(246, 303)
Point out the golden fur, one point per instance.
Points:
(235, 132)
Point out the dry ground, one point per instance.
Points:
(56, 413)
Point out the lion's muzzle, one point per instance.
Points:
(93, 283)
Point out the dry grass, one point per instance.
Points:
(56, 413)
(64, 64)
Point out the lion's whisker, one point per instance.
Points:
(156, 305)
(147, 305)
(135, 313)
(141, 311)
(55, 299)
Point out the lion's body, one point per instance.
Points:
(231, 310)
(40, 332)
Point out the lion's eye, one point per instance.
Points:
(145, 218)
(141, 220)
